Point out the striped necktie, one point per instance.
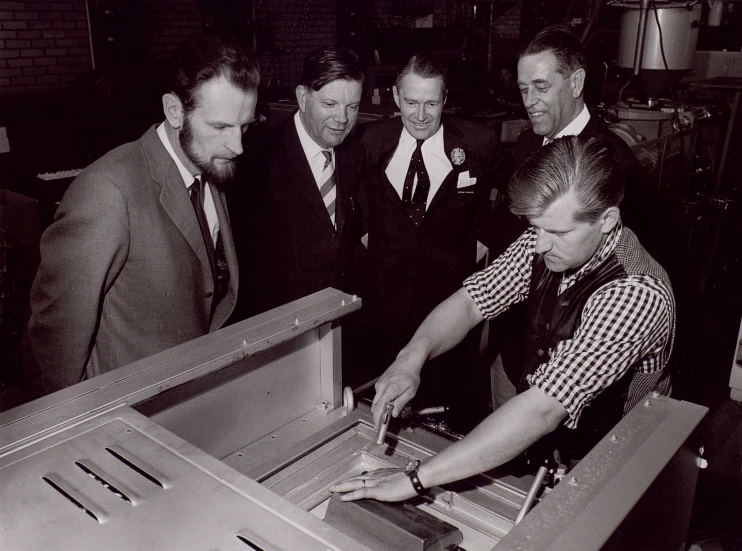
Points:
(197, 190)
(327, 189)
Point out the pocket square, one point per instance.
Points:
(466, 182)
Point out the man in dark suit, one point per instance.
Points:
(140, 256)
(296, 224)
(551, 78)
(425, 195)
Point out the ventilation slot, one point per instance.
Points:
(71, 499)
(150, 474)
(107, 485)
(250, 544)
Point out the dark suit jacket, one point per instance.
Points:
(124, 270)
(637, 207)
(286, 243)
(411, 270)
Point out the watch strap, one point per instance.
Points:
(415, 479)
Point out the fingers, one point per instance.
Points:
(352, 489)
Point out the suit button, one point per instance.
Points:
(540, 352)
(209, 295)
(548, 326)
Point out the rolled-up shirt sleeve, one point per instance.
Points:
(506, 281)
(623, 321)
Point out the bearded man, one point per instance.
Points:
(140, 255)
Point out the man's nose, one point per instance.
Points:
(543, 242)
(529, 99)
(421, 114)
(234, 141)
(341, 115)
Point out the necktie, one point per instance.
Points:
(415, 204)
(197, 199)
(327, 189)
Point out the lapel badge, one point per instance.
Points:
(458, 156)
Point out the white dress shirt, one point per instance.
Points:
(574, 128)
(209, 208)
(434, 157)
(313, 152)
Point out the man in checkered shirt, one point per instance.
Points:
(601, 323)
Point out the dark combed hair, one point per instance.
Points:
(426, 67)
(585, 165)
(565, 46)
(202, 58)
(328, 64)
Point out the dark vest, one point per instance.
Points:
(554, 319)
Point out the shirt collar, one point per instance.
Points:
(576, 126)
(310, 147)
(187, 176)
(408, 143)
(608, 247)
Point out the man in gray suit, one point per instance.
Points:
(140, 256)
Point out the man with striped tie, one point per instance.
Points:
(295, 223)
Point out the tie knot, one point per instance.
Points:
(328, 156)
(419, 144)
(196, 184)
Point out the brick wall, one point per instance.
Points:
(43, 44)
(169, 22)
(296, 28)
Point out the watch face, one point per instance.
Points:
(412, 465)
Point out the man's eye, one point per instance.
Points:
(353, 107)
(542, 89)
(524, 91)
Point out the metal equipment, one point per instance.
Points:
(232, 440)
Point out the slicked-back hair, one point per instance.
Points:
(328, 64)
(561, 42)
(203, 58)
(426, 67)
(584, 165)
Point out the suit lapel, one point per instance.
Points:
(452, 139)
(174, 197)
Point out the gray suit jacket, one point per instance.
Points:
(124, 270)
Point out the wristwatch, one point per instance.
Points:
(411, 471)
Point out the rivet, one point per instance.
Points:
(342, 302)
(354, 298)
(655, 394)
(296, 321)
(573, 481)
(614, 438)
(244, 343)
(647, 403)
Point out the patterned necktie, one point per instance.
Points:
(415, 205)
(327, 189)
(197, 200)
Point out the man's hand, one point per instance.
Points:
(399, 383)
(382, 485)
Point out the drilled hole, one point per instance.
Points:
(107, 485)
(135, 467)
(71, 499)
(249, 543)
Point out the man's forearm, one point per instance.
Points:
(499, 438)
(446, 326)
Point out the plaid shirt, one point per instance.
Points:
(627, 322)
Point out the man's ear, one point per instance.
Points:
(577, 82)
(301, 97)
(173, 109)
(395, 92)
(609, 219)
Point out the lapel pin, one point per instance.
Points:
(458, 156)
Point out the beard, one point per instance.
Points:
(213, 173)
